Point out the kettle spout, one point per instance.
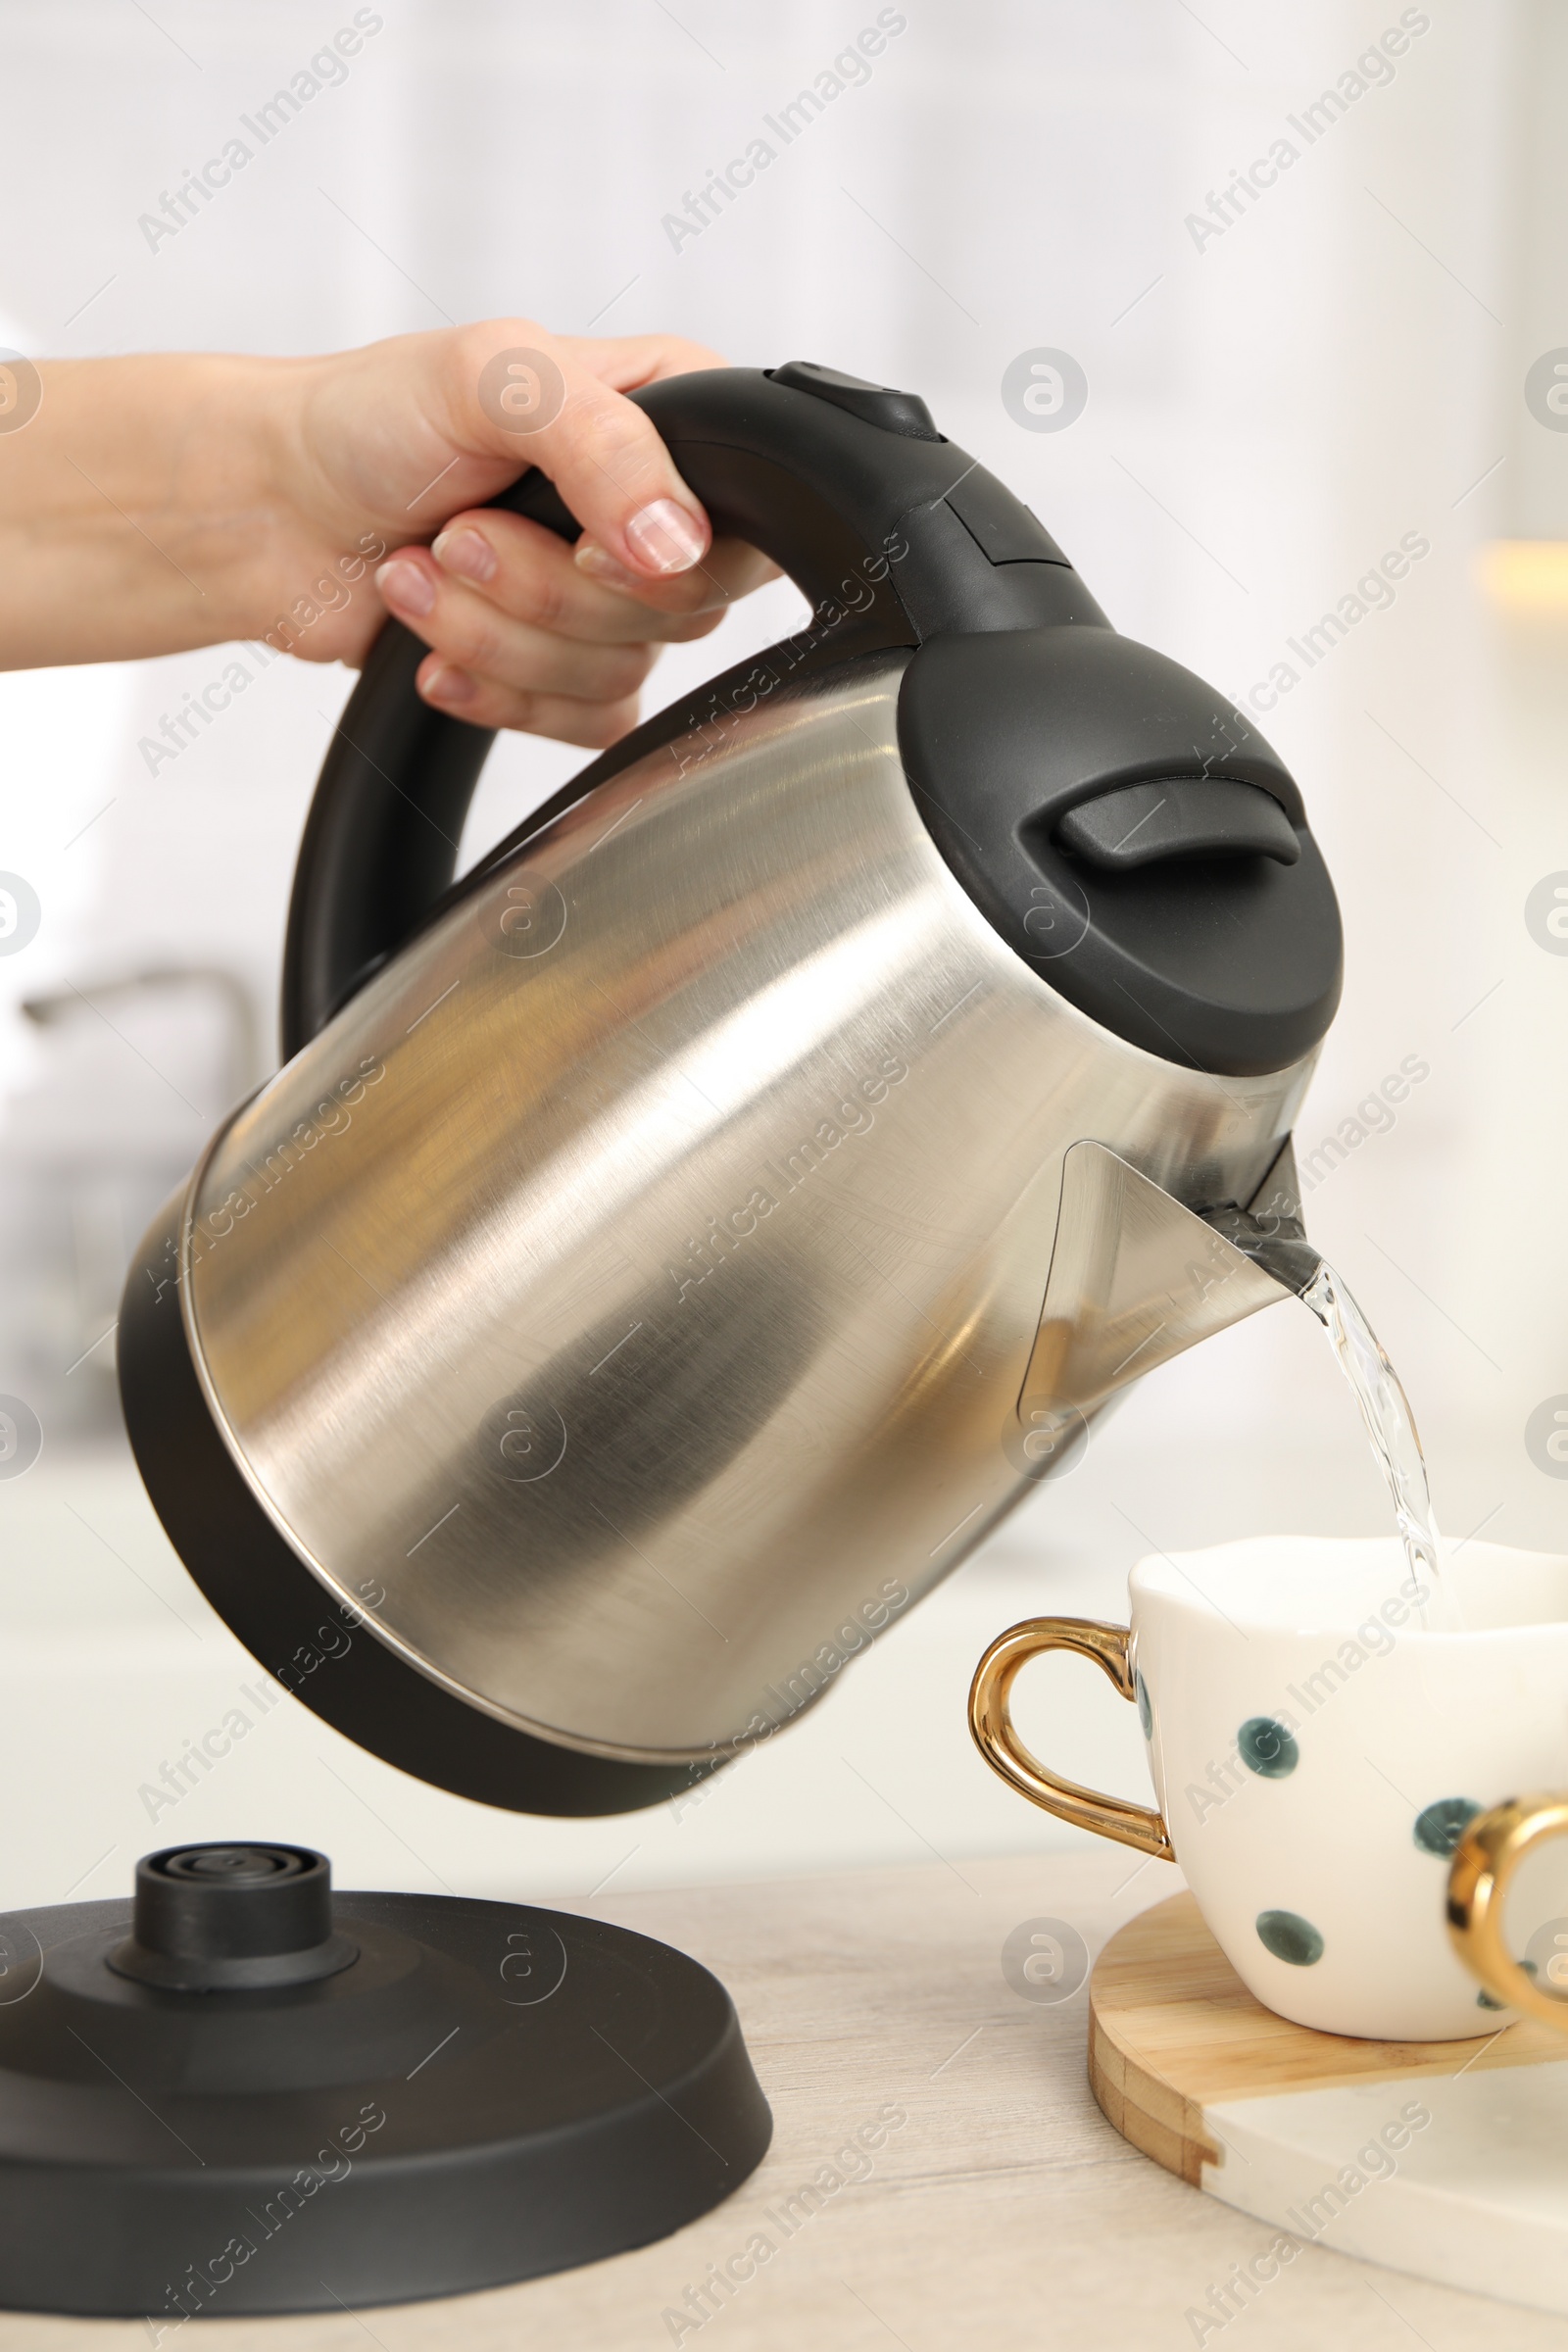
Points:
(1136, 1277)
(1274, 1241)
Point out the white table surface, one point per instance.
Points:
(1005, 2210)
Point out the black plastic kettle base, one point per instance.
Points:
(244, 2093)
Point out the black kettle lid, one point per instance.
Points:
(242, 2092)
(1132, 835)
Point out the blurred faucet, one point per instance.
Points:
(246, 1064)
(83, 1167)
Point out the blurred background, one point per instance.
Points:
(1280, 383)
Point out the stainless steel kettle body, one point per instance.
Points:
(666, 1266)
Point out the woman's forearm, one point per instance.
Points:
(139, 507)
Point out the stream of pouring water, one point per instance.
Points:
(1391, 1426)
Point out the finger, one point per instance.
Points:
(730, 570)
(533, 576)
(470, 631)
(514, 389)
(488, 703)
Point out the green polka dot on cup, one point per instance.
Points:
(1267, 1748)
(1146, 1713)
(1289, 1937)
(1440, 1826)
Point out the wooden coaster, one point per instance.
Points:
(1413, 2154)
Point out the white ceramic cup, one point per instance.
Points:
(1317, 1754)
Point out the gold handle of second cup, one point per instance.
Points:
(1485, 1861)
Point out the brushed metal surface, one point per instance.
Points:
(630, 1295)
(1134, 1279)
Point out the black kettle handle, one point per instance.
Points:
(891, 532)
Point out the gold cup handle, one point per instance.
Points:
(1484, 1864)
(991, 1722)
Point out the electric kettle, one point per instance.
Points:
(668, 1249)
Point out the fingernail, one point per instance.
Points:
(405, 587)
(449, 685)
(666, 536)
(466, 552)
(600, 565)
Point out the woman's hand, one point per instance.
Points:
(525, 632)
(155, 503)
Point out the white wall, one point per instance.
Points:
(1269, 410)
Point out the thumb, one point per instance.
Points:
(516, 391)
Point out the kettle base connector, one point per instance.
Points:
(425, 2096)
